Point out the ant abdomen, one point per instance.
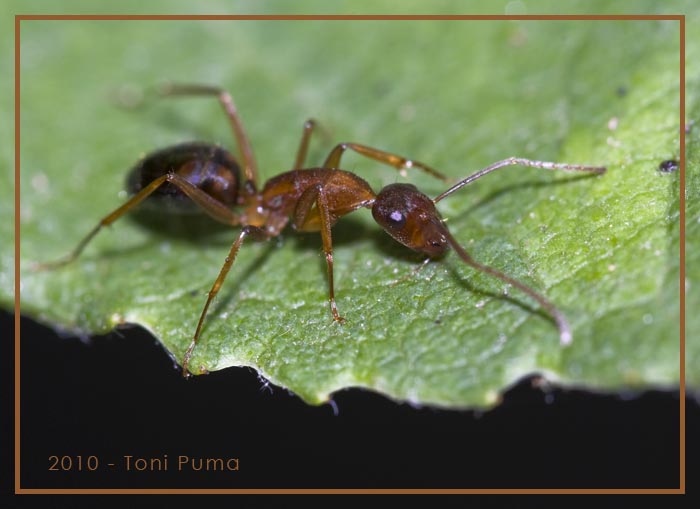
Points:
(207, 167)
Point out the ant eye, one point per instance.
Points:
(397, 219)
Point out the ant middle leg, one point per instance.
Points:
(308, 218)
(256, 232)
(309, 127)
(250, 166)
(211, 206)
(399, 162)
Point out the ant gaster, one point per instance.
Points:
(313, 199)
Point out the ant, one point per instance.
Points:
(313, 199)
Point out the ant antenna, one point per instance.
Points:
(565, 335)
(511, 161)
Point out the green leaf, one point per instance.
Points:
(456, 95)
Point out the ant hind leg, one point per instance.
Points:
(250, 166)
(212, 207)
(258, 233)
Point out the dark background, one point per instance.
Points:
(122, 395)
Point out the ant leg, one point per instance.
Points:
(247, 230)
(250, 167)
(306, 218)
(523, 162)
(414, 272)
(309, 126)
(398, 162)
(211, 206)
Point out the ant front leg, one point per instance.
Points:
(399, 162)
(306, 220)
(250, 166)
(256, 232)
(211, 206)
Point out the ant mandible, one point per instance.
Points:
(312, 198)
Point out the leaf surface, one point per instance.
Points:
(455, 95)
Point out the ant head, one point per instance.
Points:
(411, 218)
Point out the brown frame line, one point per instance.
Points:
(356, 17)
(207, 17)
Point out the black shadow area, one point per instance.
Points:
(120, 400)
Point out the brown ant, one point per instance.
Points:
(312, 198)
